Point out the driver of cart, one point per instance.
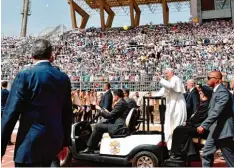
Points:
(114, 124)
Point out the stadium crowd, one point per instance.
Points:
(132, 55)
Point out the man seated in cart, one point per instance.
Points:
(114, 124)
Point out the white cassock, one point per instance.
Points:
(176, 112)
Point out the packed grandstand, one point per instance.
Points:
(129, 58)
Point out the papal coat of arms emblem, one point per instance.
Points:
(114, 147)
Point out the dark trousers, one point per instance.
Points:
(45, 164)
(88, 115)
(97, 133)
(180, 137)
(10, 137)
(227, 147)
(150, 109)
(93, 112)
(78, 115)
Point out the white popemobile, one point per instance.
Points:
(139, 148)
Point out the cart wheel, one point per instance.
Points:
(66, 162)
(145, 159)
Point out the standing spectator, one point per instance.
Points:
(93, 102)
(4, 96)
(138, 99)
(150, 107)
(176, 114)
(82, 105)
(192, 98)
(107, 98)
(45, 126)
(220, 122)
(88, 110)
(77, 105)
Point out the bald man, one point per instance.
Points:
(176, 114)
(220, 123)
(192, 98)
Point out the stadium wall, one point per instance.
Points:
(216, 14)
(232, 10)
(211, 9)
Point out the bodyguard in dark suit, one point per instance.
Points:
(116, 121)
(220, 122)
(41, 96)
(4, 95)
(192, 98)
(107, 98)
(182, 146)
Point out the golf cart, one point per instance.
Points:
(139, 147)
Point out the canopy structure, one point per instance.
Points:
(107, 6)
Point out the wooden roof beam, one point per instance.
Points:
(105, 7)
(84, 16)
(135, 19)
(165, 12)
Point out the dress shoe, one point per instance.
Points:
(176, 157)
(87, 150)
(173, 163)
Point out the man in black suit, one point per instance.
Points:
(107, 98)
(4, 95)
(182, 134)
(192, 98)
(114, 124)
(220, 123)
(41, 96)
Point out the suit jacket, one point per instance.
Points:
(117, 117)
(200, 115)
(131, 103)
(106, 101)
(192, 102)
(220, 115)
(41, 96)
(4, 96)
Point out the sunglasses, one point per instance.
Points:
(210, 77)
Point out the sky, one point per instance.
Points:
(50, 13)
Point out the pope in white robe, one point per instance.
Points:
(176, 113)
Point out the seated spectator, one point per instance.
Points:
(181, 140)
